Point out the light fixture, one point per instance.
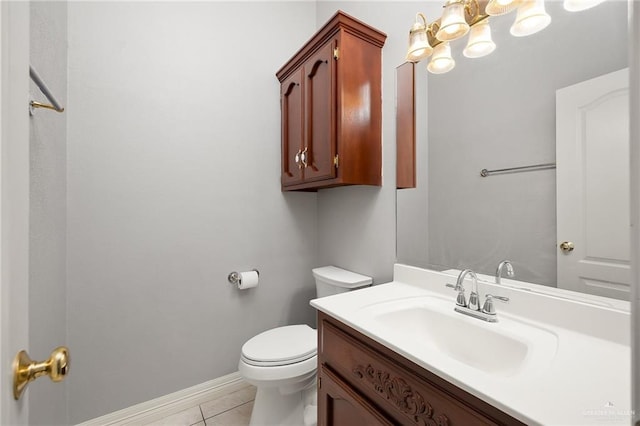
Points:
(579, 5)
(419, 47)
(480, 42)
(531, 18)
(462, 16)
(453, 24)
(501, 7)
(441, 61)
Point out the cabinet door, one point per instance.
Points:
(320, 113)
(340, 405)
(291, 98)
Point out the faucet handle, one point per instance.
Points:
(500, 298)
(488, 307)
(461, 299)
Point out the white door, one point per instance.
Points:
(592, 155)
(14, 201)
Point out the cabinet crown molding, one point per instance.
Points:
(339, 21)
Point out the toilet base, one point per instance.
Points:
(273, 408)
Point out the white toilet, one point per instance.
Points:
(282, 362)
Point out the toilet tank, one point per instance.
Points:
(332, 280)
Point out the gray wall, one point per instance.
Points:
(356, 225)
(508, 119)
(48, 215)
(173, 182)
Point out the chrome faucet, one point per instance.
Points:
(473, 297)
(501, 266)
(472, 307)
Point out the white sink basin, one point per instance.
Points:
(506, 348)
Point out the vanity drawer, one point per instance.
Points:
(401, 389)
(341, 405)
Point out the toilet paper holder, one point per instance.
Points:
(235, 278)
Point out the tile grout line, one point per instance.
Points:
(202, 414)
(227, 410)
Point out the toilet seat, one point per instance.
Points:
(281, 346)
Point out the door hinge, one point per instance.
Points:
(336, 161)
(319, 382)
(336, 53)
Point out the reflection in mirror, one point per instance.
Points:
(499, 112)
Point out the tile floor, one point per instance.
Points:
(233, 409)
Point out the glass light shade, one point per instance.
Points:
(501, 7)
(452, 25)
(480, 42)
(419, 47)
(441, 61)
(531, 18)
(578, 5)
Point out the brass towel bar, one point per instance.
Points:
(55, 105)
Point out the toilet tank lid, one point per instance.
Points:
(341, 277)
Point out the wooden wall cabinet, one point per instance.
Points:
(406, 126)
(331, 104)
(361, 382)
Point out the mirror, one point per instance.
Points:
(499, 112)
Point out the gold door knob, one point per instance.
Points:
(26, 370)
(566, 247)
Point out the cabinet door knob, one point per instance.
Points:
(303, 157)
(297, 159)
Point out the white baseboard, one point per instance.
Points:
(156, 409)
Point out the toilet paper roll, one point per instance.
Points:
(247, 279)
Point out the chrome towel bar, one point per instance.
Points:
(485, 172)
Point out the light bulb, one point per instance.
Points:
(419, 47)
(453, 24)
(501, 7)
(441, 61)
(480, 43)
(531, 18)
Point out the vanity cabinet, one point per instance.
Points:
(361, 382)
(331, 106)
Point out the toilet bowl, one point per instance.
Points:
(282, 362)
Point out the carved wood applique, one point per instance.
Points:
(401, 395)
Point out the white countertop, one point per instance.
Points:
(585, 381)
